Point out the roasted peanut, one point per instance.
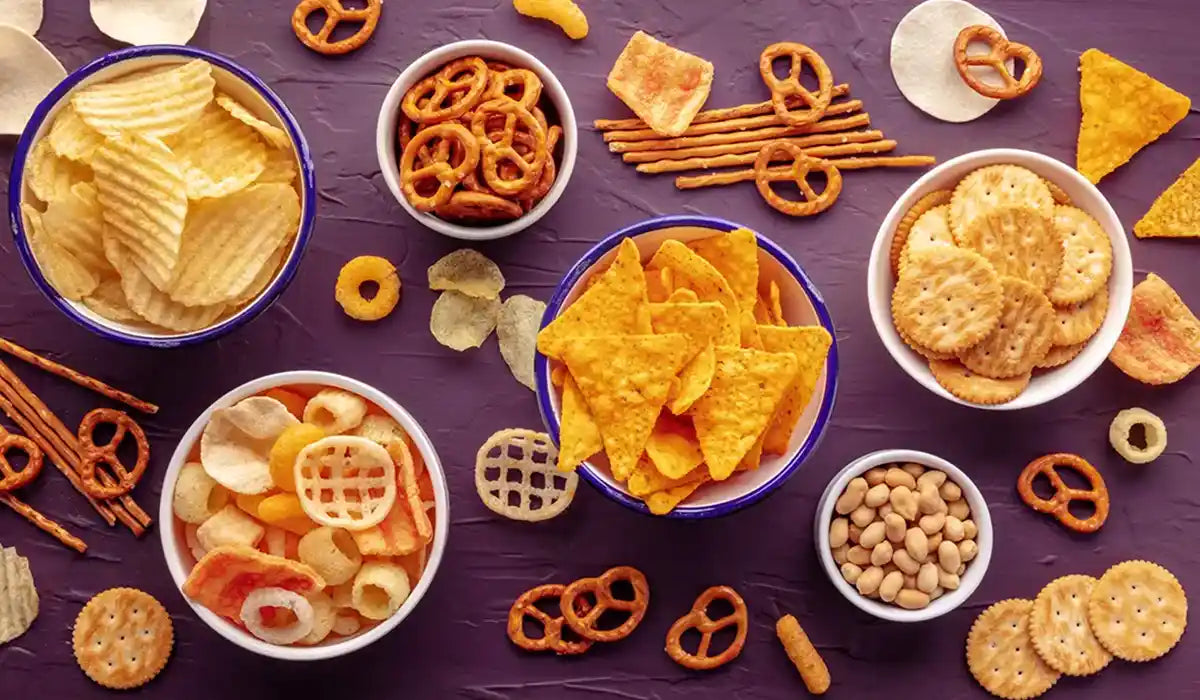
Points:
(959, 509)
(852, 498)
(894, 527)
(962, 569)
(898, 477)
(872, 535)
(910, 599)
(929, 502)
(969, 529)
(853, 533)
(936, 477)
(916, 544)
(953, 530)
(874, 476)
(877, 495)
(947, 580)
(905, 562)
(948, 556)
(890, 586)
(889, 568)
(927, 577)
(882, 553)
(869, 581)
(914, 470)
(967, 549)
(950, 491)
(910, 581)
(839, 532)
(932, 523)
(937, 593)
(904, 502)
(933, 542)
(859, 555)
(851, 572)
(883, 510)
(839, 554)
(862, 516)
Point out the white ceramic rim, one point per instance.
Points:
(976, 568)
(1065, 378)
(385, 133)
(167, 529)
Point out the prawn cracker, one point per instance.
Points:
(1087, 257)
(1077, 323)
(900, 235)
(976, 388)
(123, 638)
(948, 299)
(735, 256)
(1138, 610)
(1019, 241)
(993, 187)
(810, 346)
(1059, 628)
(1176, 212)
(1001, 656)
(1160, 343)
(1024, 334)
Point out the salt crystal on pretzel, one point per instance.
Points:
(236, 445)
(346, 481)
(226, 575)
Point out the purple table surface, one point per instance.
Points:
(454, 643)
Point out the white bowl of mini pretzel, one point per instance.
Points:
(1040, 212)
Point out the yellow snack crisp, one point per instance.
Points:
(810, 346)
(735, 256)
(1176, 212)
(699, 323)
(672, 448)
(579, 438)
(697, 274)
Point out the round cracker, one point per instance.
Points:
(1087, 257)
(1019, 241)
(1059, 628)
(1022, 337)
(1059, 355)
(948, 299)
(969, 386)
(931, 229)
(995, 186)
(1138, 610)
(1001, 656)
(922, 350)
(1077, 323)
(900, 236)
(123, 638)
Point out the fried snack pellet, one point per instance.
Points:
(282, 460)
(803, 654)
(356, 273)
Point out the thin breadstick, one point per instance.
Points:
(716, 115)
(691, 182)
(79, 378)
(739, 124)
(750, 146)
(772, 132)
(671, 166)
(42, 522)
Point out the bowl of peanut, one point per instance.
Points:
(904, 535)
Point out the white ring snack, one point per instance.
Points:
(1155, 430)
(332, 553)
(335, 411)
(380, 588)
(345, 481)
(251, 615)
(197, 496)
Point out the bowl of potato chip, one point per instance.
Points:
(686, 366)
(162, 196)
(1001, 279)
(304, 515)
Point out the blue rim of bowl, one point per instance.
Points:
(265, 299)
(542, 369)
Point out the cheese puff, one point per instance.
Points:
(343, 596)
(380, 588)
(230, 526)
(335, 411)
(331, 552)
(324, 615)
(298, 526)
(249, 502)
(282, 459)
(282, 506)
(197, 495)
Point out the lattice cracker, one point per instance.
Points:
(516, 477)
(345, 481)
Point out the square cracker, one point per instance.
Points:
(664, 86)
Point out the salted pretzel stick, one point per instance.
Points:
(750, 146)
(79, 378)
(42, 522)
(739, 124)
(772, 132)
(848, 149)
(716, 115)
(691, 182)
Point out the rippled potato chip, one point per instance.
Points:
(108, 300)
(69, 277)
(264, 276)
(71, 138)
(469, 272)
(157, 102)
(51, 176)
(153, 305)
(220, 155)
(461, 322)
(274, 135)
(74, 223)
(280, 167)
(516, 331)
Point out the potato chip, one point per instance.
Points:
(227, 242)
(646, 479)
(579, 437)
(73, 222)
(69, 277)
(468, 272)
(142, 22)
(219, 154)
(154, 306)
(143, 199)
(1176, 212)
(461, 322)
(1160, 343)
(156, 102)
(28, 72)
(18, 595)
(280, 167)
(810, 346)
(672, 448)
(226, 575)
(735, 256)
(699, 323)
(746, 389)
(51, 176)
(108, 300)
(663, 85)
(272, 134)
(236, 444)
(264, 277)
(1123, 111)
(694, 272)
(625, 380)
(516, 330)
(615, 304)
(70, 138)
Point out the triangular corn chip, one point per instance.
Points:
(699, 322)
(754, 457)
(625, 380)
(1176, 212)
(697, 274)
(672, 448)
(579, 438)
(810, 346)
(646, 479)
(746, 390)
(1123, 110)
(663, 502)
(735, 255)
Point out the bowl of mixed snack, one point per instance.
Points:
(304, 515)
(476, 139)
(162, 196)
(686, 367)
(1001, 279)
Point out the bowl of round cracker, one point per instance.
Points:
(1001, 279)
(686, 367)
(162, 196)
(214, 533)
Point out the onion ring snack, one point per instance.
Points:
(356, 273)
(346, 481)
(252, 615)
(1155, 435)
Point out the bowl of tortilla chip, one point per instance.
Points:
(686, 366)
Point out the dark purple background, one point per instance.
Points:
(454, 643)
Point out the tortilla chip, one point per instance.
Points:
(614, 305)
(699, 322)
(664, 86)
(1123, 110)
(1160, 343)
(810, 346)
(663, 502)
(754, 457)
(1176, 212)
(683, 295)
(746, 389)
(625, 380)
(697, 274)
(646, 479)
(658, 285)
(749, 332)
(762, 312)
(735, 255)
(672, 448)
(579, 438)
(776, 303)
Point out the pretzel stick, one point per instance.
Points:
(691, 182)
(79, 378)
(773, 132)
(749, 146)
(716, 115)
(45, 524)
(848, 149)
(739, 124)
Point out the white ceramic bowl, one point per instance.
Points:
(802, 305)
(233, 80)
(180, 561)
(1045, 385)
(389, 112)
(976, 568)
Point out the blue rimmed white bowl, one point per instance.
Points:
(232, 79)
(802, 305)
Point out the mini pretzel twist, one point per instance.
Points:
(497, 151)
(698, 619)
(11, 478)
(584, 623)
(528, 84)
(335, 14)
(999, 51)
(802, 165)
(437, 167)
(94, 455)
(1057, 505)
(782, 89)
(448, 94)
(551, 639)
